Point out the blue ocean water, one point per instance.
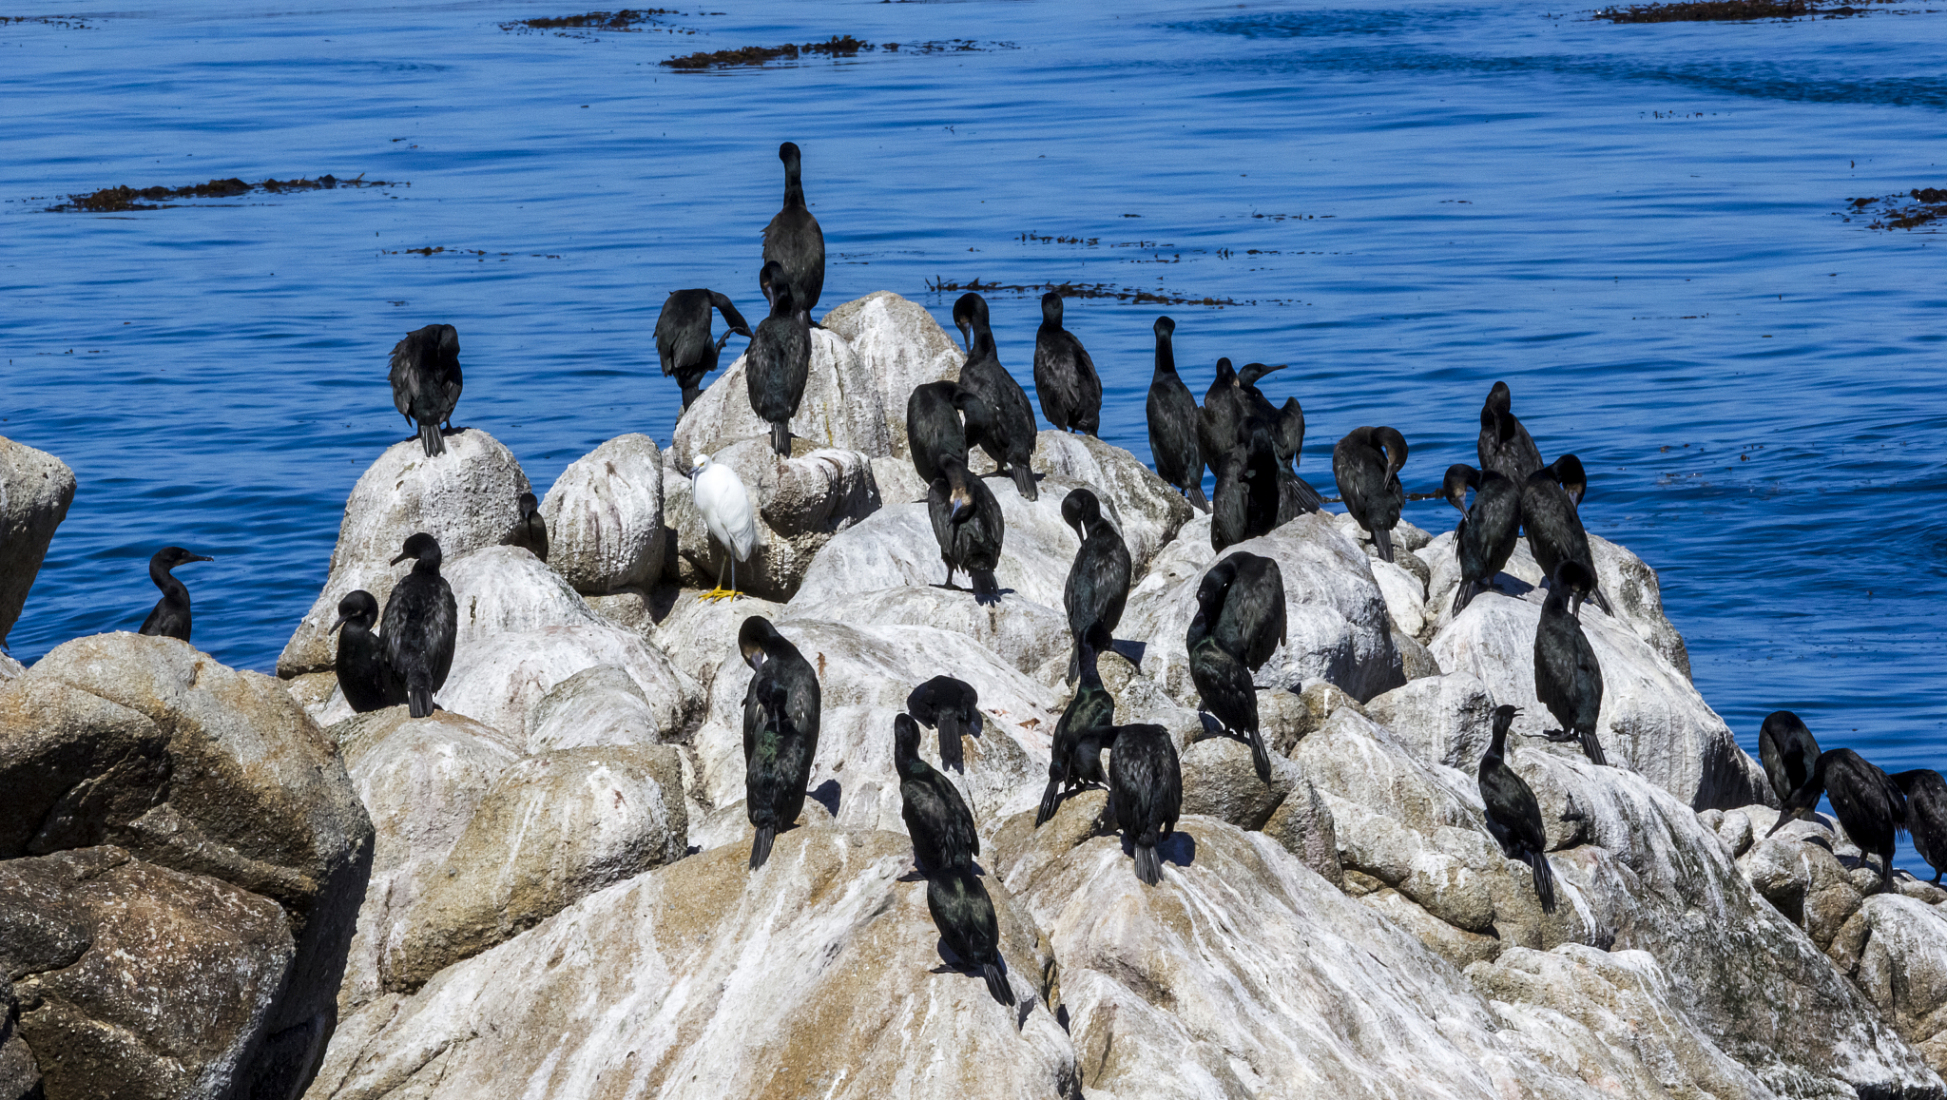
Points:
(1637, 227)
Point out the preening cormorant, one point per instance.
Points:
(1223, 683)
(1064, 375)
(781, 713)
(426, 381)
(964, 915)
(1554, 526)
(778, 361)
(951, 706)
(968, 525)
(1086, 727)
(793, 240)
(683, 337)
(1098, 580)
(1505, 446)
(421, 625)
(724, 504)
(936, 816)
(1011, 442)
(1513, 815)
(1926, 815)
(1366, 464)
(1789, 752)
(169, 618)
(1173, 422)
(1247, 592)
(1488, 531)
(942, 421)
(530, 530)
(1568, 679)
(363, 676)
(1145, 792)
(1869, 805)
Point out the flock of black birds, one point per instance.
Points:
(1252, 447)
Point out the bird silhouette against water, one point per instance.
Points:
(1064, 375)
(426, 381)
(1568, 679)
(530, 530)
(1145, 792)
(1504, 445)
(1488, 530)
(1173, 422)
(683, 340)
(170, 616)
(942, 421)
(1366, 464)
(968, 526)
(778, 363)
(1870, 807)
(951, 706)
(1549, 513)
(364, 679)
(1098, 579)
(1220, 422)
(782, 708)
(1010, 443)
(964, 915)
(1223, 682)
(1789, 752)
(1513, 815)
(1926, 815)
(937, 818)
(1086, 727)
(421, 625)
(793, 240)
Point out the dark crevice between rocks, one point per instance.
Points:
(834, 47)
(124, 197)
(1699, 11)
(1916, 208)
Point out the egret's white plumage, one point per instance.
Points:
(724, 504)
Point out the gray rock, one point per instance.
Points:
(605, 517)
(730, 825)
(467, 498)
(1415, 660)
(699, 634)
(898, 482)
(1303, 824)
(841, 408)
(1031, 637)
(499, 680)
(1219, 781)
(1895, 950)
(901, 347)
(35, 491)
(1441, 719)
(1145, 508)
(1405, 595)
(801, 502)
(20, 1073)
(602, 705)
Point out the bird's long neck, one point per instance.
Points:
(426, 567)
(983, 341)
(172, 589)
(1497, 749)
(1165, 358)
(793, 189)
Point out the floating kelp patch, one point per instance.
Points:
(627, 19)
(1698, 11)
(481, 253)
(70, 22)
(1916, 208)
(1079, 290)
(113, 199)
(836, 46)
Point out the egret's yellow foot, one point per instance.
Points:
(719, 593)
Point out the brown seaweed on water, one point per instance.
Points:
(1079, 290)
(1697, 11)
(1918, 207)
(625, 20)
(124, 197)
(835, 46)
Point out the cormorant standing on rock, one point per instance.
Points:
(1173, 422)
(936, 816)
(1223, 683)
(1505, 446)
(1230, 502)
(426, 381)
(1366, 464)
(967, 524)
(778, 362)
(170, 616)
(1266, 501)
(781, 713)
(530, 531)
(363, 676)
(1926, 815)
(1145, 792)
(1513, 815)
(1011, 442)
(1249, 620)
(1085, 728)
(1549, 514)
(683, 337)
(942, 421)
(421, 625)
(1568, 679)
(724, 504)
(1869, 805)
(793, 240)
(1064, 375)
(1789, 752)
(1488, 531)
(1220, 423)
(964, 915)
(953, 707)
(1098, 581)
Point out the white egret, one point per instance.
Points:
(725, 506)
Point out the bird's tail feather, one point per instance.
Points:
(997, 983)
(1260, 759)
(1050, 802)
(1308, 496)
(1024, 480)
(1463, 594)
(1149, 865)
(1593, 748)
(760, 845)
(429, 438)
(1544, 881)
(419, 698)
(1197, 500)
(1382, 537)
(781, 437)
(986, 588)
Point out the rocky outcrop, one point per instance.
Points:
(467, 498)
(35, 491)
(901, 346)
(801, 503)
(842, 408)
(1144, 507)
(602, 705)
(605, 517)
(187, 812)
(500, 680)
(1030, 636)
(1895, 949)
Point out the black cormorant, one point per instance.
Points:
(170, 616)
(1488, 531)
(1505, 446)
(778, 361)
(1554, 527)
(1145, 792)
(1098, 581)
(1247, 591)
(1173, 422)
(1230, 502)
(530, 530)
(421, 625)
(1366, 464)
(1513, 815)
(943, 420)
(1267, 504)
(1064, 375)
(1011, 442)
(1568, 679)
(968, 525)
(1085, 728)
(1926, 815)
(951, 706)
(363, 676)
(426, 381)
(1223, 683)
(936, 816)
(683, 337)
(1789, 752)
(964, 915)
(793, 240)
(781, 713)
(1220, 422)
(1869, 805)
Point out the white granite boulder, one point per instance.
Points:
(841, 408)
(901, 346)
(35, 491)
(801, 504)
(605, 517)
(501, 679)
(1145, 508)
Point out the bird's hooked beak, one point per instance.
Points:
(342, 620)
(962, 505)
(403, 556)
(754, 656)
(1575, 606)
(1787, 818)
(199, 557)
